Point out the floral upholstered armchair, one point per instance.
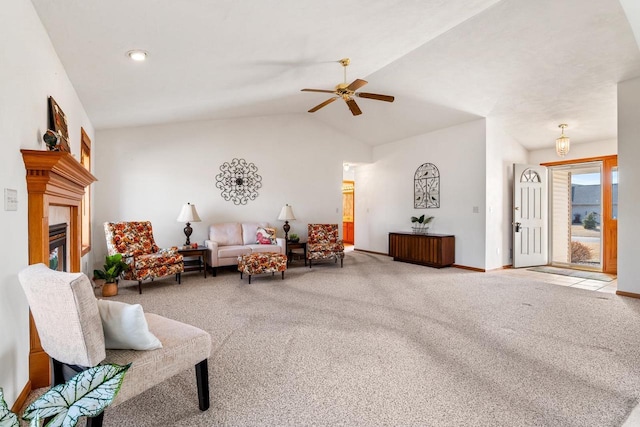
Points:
(323, 243)
(134, 240)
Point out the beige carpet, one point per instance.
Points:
(386, 343)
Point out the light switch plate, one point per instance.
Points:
(10, 199)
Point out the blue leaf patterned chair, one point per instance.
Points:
(324, 243)
(134, 240)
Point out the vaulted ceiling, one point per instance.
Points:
(528, 65)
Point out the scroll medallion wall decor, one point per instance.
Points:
(426, 187)
(239, 181)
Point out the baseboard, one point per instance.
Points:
(464, 267)
(504, 267)
(370, 252)
(627, 294)
(22, 398)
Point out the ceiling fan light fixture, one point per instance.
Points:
(137, 55)
(347, 92)
(563, 143)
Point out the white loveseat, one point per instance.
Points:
(227, 241)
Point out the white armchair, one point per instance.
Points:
(66, 315)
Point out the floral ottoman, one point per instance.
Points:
(262, 262)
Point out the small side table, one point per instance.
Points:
(296, 245)
(198, 261)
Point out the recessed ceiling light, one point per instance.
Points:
(137, 55)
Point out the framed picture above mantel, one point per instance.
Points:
(58, 123)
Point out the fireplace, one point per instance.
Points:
(58, 247)
(55, 183)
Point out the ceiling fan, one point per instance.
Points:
(347, 92)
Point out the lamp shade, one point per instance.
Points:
(286, 214)
(188, 214)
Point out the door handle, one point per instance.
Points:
(518, 226)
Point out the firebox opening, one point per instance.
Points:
(58, 247)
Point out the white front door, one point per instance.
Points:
(529, 215)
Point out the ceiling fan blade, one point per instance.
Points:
(376, 96)
(319, 106)
(357, 84)
(317, 90)
(355, 110)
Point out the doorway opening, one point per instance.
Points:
(583, 214)
(348, 205)
(576, 216)
(348, 193)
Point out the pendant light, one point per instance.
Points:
(562, 143)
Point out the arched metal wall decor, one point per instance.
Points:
(426, 187)
(239, 181)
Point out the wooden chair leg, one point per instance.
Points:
(283, 275)
(140, 287)
(249, 279)
(341, 260)
(179, 278)
(202, 381)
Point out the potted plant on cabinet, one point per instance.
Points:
(113, 267)
(421, 224)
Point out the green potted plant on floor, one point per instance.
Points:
(113, 267)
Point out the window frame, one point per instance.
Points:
(85, 205)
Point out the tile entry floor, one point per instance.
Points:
(561, 280)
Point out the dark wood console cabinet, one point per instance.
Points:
(434, 250)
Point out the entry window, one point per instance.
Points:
(614, 193)
(530, 176)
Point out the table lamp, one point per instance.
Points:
(188, 214)
(286, 214)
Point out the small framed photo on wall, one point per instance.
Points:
(58, 122)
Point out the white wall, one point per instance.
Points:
(629, 182)
(30, 72)
(584, 150)
(384, 190)
(502, 152)
(632, 10)
(148, 173)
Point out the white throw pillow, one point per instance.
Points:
(125, 327)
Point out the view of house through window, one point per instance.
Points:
(85, 160)
(576, 215)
